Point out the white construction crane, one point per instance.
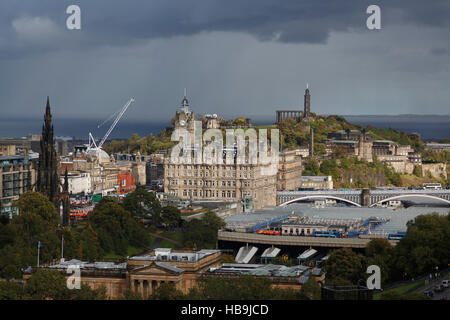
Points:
(93, 147)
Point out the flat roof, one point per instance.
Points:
(166, 254)
(12, 157)
(271, 270)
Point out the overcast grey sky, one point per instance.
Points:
(235, 57)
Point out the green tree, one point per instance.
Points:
(202, 233)
(87, 293)
(329, 168)
(344, 267)
(171, 216)
(417, 170)
(71, 243)
(167, 291)
(36, 222)
(89, 246)
(11, 291)
(240, 121)
(34, 202)
(131, 295)
(47, 285)
(312, 168)
(311, 290)
(116, 228)
(142, 203)
(425, 246)
(379, 252)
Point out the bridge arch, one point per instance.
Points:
(319, 197)
(409, 196)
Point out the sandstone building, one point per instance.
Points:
(223, 182)
(289, 171)
(143, 274)
(17, 176)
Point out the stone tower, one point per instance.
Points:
(365, 147)
(184, 118)
(307, 104)
(47, 179)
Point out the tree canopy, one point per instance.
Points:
(142, 204)
(202, 233)
(116, 228)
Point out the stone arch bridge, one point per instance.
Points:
(362, 197)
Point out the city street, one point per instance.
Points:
(431, 287)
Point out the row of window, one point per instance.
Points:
(212, 193)
(14, 192)
(208, 168)
(212, 183)
(224, 175)
(299, 231)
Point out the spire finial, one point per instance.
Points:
(185, 92)
(307, 85)
(47, 107)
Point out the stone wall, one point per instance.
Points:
(435, 169)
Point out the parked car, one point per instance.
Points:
(446, 283)
(439, 288)
(429, 293)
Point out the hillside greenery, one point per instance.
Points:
(293, 134)
(296, 134)
(353, 173)
(145, 145)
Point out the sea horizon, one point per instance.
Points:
(431, 127)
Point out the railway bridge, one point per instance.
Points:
(295, 241)
(363, 197)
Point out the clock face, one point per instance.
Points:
(182, 122)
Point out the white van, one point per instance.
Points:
(445, 283)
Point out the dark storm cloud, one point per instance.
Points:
(236, 57)
(124, 22)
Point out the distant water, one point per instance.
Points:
(429, 127)
(79, 128)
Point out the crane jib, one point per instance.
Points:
(125, 107)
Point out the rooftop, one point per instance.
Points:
(316, 178)
(166, 254)
(269, 270)
(345, 141)
(89, 265)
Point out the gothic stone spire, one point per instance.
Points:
(48, 179)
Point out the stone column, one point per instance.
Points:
(132, 286)
(365, 198)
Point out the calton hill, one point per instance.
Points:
(295, 134)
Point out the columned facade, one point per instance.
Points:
(297, 115)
